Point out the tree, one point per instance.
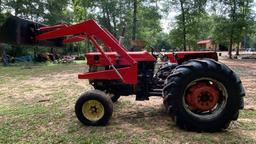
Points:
(134, 27)
(80, 8)
(116, 14)
(3, 54)
(162, 42)
(148, 26)
(245, 20)
(191, 24)
(56, 12)
(28, 9)
(229, 22)
(234, 23)
(183, 7)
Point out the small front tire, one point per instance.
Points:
(94, 108)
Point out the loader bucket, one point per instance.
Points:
(19, 31)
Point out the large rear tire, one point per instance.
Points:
(203, 95)
(94, 108)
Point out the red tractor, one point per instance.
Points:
(199, 92)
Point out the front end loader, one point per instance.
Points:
(198, 92)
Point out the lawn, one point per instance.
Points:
(37, 106)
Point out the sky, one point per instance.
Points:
(167, 20)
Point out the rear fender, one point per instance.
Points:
(180, 57)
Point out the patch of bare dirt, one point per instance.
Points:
(247, 72)
(249, 64)
(132, 117)
(248, 78)
(44, 88)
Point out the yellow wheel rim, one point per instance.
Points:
(93, 110)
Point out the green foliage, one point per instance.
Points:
(224, 21)
(161, 42)
(149, 23)
(80, 9)
(220, 32)
(192, 24)
(57, 12)
(235, 22)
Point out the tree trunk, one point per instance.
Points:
(108, 20)
(215, 47)
(0, 6)
(114, 25)
(230, 47)
(3, 54)
(134, 27)
(238, 48)
(183, 24)
(106, 16)
(233, 20)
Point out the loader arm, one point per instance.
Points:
(92, 31)
(20, 31)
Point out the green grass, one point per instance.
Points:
(23, 119)
(250, 114)
(39, 69)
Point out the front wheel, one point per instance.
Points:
(94, 108)
(203, 95)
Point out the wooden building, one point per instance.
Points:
(208, 44)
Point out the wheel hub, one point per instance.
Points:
(202, 96)
(93, 110)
